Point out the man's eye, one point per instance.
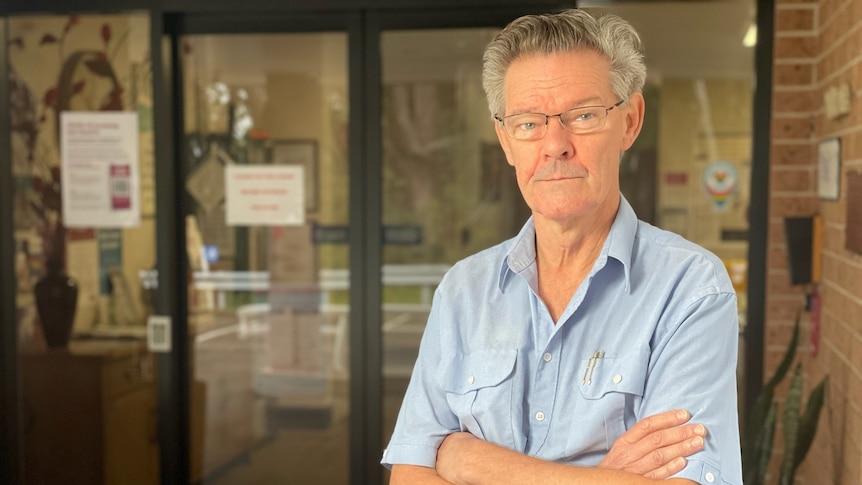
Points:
(587, 116)
(527, 126)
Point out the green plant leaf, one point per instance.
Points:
(754, 429)
(808, 421)
(792, 404)
(762, 404)
(764, 445)
(789, 354)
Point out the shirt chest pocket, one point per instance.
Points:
(478, 389)
(608, 388)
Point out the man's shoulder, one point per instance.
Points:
(480, 267)
(667, 251)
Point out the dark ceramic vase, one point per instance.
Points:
(56, 300)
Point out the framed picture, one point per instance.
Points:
(304, 153)
(829, 169)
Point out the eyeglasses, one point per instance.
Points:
(532, 126)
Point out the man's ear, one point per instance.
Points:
(504, 141)
(634, 116)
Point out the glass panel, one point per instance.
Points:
(447, 189)
(690, 170)
(266, 179)
(84, 222)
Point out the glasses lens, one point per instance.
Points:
(582, 120)
(527, 126)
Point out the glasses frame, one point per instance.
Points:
(559, 116)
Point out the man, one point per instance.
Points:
(555, 356)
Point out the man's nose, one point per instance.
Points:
(558, 142)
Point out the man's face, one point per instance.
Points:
(563, 176)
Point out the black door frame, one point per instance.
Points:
(11, 457)
(363, 20)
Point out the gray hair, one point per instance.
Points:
(568, 31)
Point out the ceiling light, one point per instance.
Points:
(750, 39)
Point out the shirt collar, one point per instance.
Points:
(618, 245)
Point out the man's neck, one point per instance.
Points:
(572, 244)
(565, 254)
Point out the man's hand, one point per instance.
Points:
(656, 446)
(449, 459)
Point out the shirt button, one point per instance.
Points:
(470, 380)
(547, 357)
(540, 416)
(709, 477)
(617, 379)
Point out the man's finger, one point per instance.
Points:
(656, 422)
(656, 450)
(664, 445)
(668, 470)
(664, 462)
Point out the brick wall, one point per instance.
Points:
(818, 45)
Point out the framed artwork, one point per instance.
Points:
(304, 153)
(829, 169)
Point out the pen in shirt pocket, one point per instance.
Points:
(591, 365)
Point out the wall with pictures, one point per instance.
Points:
(78, 63)
(815, 57)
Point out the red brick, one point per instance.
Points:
(795, 47)
(776, 231)
(793, 74)
(797, 154)
(778, 283)
(777, 258)
(792, 206)
(835, 24)
(791, 128)
(782, 310)
(835, 212)
(851, 146)
(794, 19)
(807, 101)
(791, 180)
(856, 353)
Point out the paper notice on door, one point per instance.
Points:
(100, 169)
(264, 195)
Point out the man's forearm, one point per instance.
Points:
(415, 475)
(476, 462)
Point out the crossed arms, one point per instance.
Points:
(653, 449)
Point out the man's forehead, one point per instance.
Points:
(578, 78)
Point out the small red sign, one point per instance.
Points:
(675, 178)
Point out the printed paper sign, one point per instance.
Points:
(265, 195)
(99, 169)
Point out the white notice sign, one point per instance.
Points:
(264, 195)
(99, 167)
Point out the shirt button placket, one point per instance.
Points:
(545, 389)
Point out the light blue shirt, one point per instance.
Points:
(652, 328)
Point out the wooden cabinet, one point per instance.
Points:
(90, 415)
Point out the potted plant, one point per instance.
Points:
(799, 429)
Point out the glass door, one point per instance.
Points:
(265, 164)
(84, 218)
(447, 189)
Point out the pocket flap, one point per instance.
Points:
(624, 373)
(482, 368)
